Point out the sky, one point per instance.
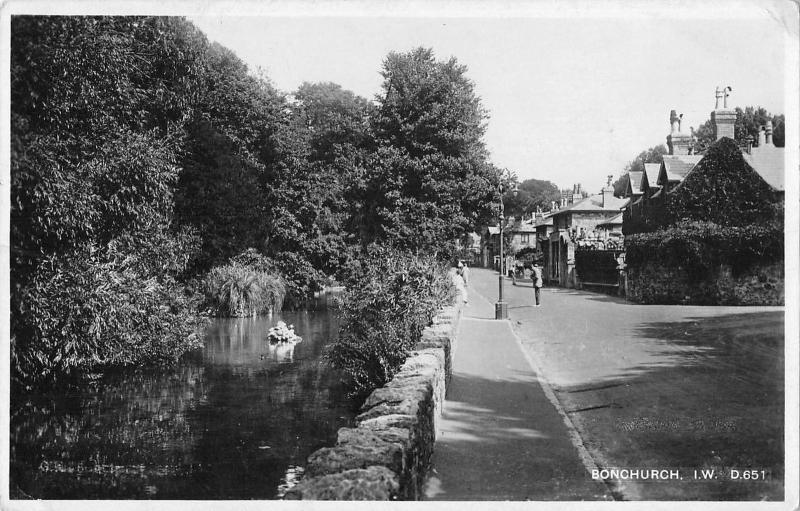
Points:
(573, 94)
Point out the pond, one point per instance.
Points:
(236, 421)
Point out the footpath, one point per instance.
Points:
(501, 436)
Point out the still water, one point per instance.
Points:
(236, 421)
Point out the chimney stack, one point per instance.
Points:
(576, 193)
(723, 118)
(768, 133)
(677, 142)
(606, 193)
(762, 137)
(749, 142)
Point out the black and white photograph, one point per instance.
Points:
(506, 254)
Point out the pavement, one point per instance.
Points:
(501, 437)
(589, 380)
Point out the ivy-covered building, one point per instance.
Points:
(713, 231)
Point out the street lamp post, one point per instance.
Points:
(501, 307)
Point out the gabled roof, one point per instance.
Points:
(650, 176)
(594, 203)
(674, 167)
(635, 181)
(768, 163)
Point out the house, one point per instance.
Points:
(633, 191)
(523, 234)
(765, 159)
(574, 224)
(733, 185)
(649, 182)
(544, 225)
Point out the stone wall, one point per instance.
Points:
(759, 285)
(386, 456)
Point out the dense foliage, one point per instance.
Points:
(532, 195)
(701, 246)
(246, 286)
(97, 106)
(390, 298)
(722, 189)
(150, 167)
(430, 179)
(598, 266)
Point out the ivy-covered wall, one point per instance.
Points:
(654, 283)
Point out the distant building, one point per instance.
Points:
(577, 223)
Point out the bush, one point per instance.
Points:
(599, 266)
(237, 290)
(85, 310)
(389, 299)
(701, 246)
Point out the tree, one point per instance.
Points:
(431, 181)
(652, 155)
(748, 122)
(335, 118)
(533, 194)
(98, 106)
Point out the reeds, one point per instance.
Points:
(239, 291)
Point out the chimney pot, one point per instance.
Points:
(723, 119)
(768, 133)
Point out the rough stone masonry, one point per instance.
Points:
(386, 456)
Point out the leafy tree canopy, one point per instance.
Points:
(748, 122)
(431, 180)
(533, 194)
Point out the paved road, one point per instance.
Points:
(661, 387)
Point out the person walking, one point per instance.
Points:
(537, 282)
(463, 272)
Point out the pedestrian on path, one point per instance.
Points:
(463, 272)
(537, 282)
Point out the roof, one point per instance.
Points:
(524, 228)
(768, 163)
(546, 220)
(635, 180)
(595, 203)
(650, 176)
(614, 220)
(676, 166)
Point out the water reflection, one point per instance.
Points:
(236, 421)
